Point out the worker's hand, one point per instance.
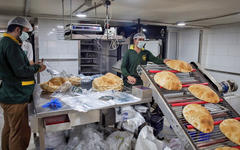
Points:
(166, 60)
(131, 80)
(40, 62)
(42, 67)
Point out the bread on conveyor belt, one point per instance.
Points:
(204, 93)
(231, 129)
(226, 148)
(179, 65)
(108, 82)
(199, 117)
(168, 80)
(53, 84)
(75, 80)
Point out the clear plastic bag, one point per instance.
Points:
(91, 139)
(119, 141)
(54, 139)
(133, 123)
(62, 90)
(174, 144)
(147, 141)
(53, 72)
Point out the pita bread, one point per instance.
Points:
(108, 82)
(179, 65)
(231, 129)
(53, 84)
(204, 93)
(168, 80)
(199, 117)
(75, 80)
(226, 148)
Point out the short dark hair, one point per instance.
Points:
(12, 27)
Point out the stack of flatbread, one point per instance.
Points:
(179, 65)
(204, 93)
(74, 80)
(226, 148)
(53, 84)
(231, 129)
(108, 82)
(168, 80)
(199, 117)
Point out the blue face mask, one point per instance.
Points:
(141, 44)
(24, 36)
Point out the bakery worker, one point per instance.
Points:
(17, 86)
(135, 56)
(27, 47)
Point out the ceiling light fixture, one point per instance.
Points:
(81, 15)
(60, 26)
(181, 24)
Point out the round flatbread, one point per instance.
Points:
(179, 65)
(168, 80)
(226, 148)
(199, 117)
(204, 93)
(53, 84)
(75, 80)
(108, 82)
(231, 129)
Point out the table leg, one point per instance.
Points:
(41, 130)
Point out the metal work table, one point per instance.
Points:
(45, 119)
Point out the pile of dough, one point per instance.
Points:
(108, 82)
(74, 80)
(204, 93)
(53, 84)
(199, 117)
(168, 80)
(231, 129)
(226, 148)
(179, 65)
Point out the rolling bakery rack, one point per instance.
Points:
(172, 103)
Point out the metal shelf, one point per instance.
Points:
(84, 65)
(89, 52)
(88, 58)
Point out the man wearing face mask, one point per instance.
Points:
(27, 47)
(135, 56)
(17, 86)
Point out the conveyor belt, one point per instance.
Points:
(173, 102)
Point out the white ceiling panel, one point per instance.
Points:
(166, 11)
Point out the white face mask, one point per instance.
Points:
(24, 36)
(141, 44)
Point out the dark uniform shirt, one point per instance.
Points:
(15, 71)
(132, 59)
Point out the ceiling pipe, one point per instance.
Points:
(95, 7)
(27, 4)
(211, 18)
(76, 10)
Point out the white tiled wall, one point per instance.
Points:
(51, 47)
(221, 51)
(49, 44)
(188, 44)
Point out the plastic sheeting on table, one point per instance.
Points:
(93, 100)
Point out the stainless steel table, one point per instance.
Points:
(45, 119)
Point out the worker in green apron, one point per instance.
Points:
(17, 86)
(135, 56)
